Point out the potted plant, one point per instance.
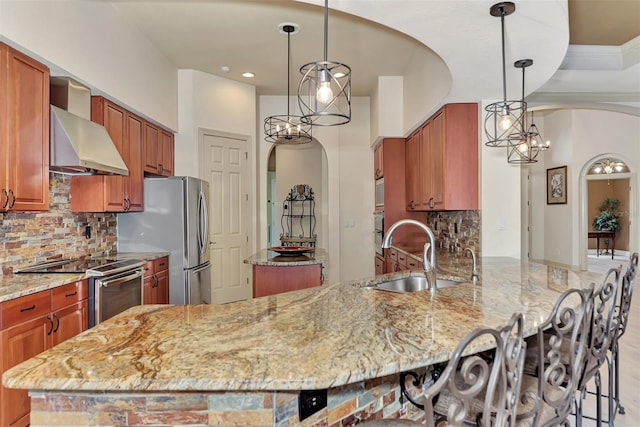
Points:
(607, 219)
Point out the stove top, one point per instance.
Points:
(90, 266)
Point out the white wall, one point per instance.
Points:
(500, 192)
(210, 102)
(347, 213)
(91, 42)
(577, 136)
(387, 108)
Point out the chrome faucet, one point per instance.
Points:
(474, 271)
(428, 263)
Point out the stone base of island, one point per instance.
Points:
(246, 363)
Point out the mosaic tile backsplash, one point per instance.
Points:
(456, 230)
(31, 237)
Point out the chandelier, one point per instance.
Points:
(529, 144)
(324, 94)
(608, 166)
(503, 122)
(289, 129)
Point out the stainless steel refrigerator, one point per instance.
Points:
(175, 220)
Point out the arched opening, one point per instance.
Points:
(289, 166)
(607, 201)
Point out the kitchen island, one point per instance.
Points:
(245, 363)
(277, 272)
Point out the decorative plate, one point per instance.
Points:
(291, 250)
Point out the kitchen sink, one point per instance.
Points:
(412, 284)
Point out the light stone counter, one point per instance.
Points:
(17, 285)
(269, 258)
(309, 339)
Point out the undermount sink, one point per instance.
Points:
(413, 284)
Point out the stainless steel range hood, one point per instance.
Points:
(79, 146)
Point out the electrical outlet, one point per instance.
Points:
(87, 232)
(310, 402)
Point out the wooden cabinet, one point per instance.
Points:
(158, 151)
(379, 262)
(442, 161)
(156, 282)
(30, 325)
(103, 193)
(391, 261)
(378, 161)
(271, 280)
(24, 130)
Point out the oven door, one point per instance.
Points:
(114, 294)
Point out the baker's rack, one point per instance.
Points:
(298, 219)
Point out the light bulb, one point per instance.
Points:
(288, 129)
(523, 147)
(505, 118)
(618, 167)
(325, 94)
(597, 169)
(278, 128)
(608, 169)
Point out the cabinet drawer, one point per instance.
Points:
(412, 263)
(25, 308)
(402, 257)
(161, 264)
(68, 294)
(393, 254)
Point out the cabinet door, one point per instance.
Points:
(379, 265)
(19, 343)
(151, 146)
(412, 165)
(162, 287)
(70, 321)
(27, 137)
(149, 289)
(378, 162)
(165, 168)
(436, 163)
(134, 182)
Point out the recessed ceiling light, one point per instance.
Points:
(248, 75)
(225, 69)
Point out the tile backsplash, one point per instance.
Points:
(456, 230)
(31, 237)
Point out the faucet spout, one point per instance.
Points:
(474, 271)
(428, 262)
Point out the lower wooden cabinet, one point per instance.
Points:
(156, 282)
(271, 280)
(379, 265)
(30, 325)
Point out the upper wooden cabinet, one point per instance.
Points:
(24, 130)
(158, 151)
(442, 161)
(378, 161)
(107, 193)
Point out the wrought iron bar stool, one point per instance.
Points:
(621, 318)
(601, 336)
(555, 360)
(468, 378)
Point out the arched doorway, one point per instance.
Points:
(290, 165)
(607, 176)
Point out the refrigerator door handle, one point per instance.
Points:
(201, 268)
(205, 221)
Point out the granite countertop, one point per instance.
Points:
(308, 339)
(17, 285)
(269, 258)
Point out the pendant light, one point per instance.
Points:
(529, 144)
(289, 129)
(324, 94)
(504, 118)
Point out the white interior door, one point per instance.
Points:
(224, 163)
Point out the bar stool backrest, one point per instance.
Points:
(626, 292)
(561, 353)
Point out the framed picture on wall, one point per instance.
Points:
(557, 185)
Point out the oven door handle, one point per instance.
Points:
(119, 280)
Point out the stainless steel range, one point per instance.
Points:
(114, 285)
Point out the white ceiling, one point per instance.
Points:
(243, 35)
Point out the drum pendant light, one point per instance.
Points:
(289, 129)
(530, 142)
(324, 94)
(503, 121)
